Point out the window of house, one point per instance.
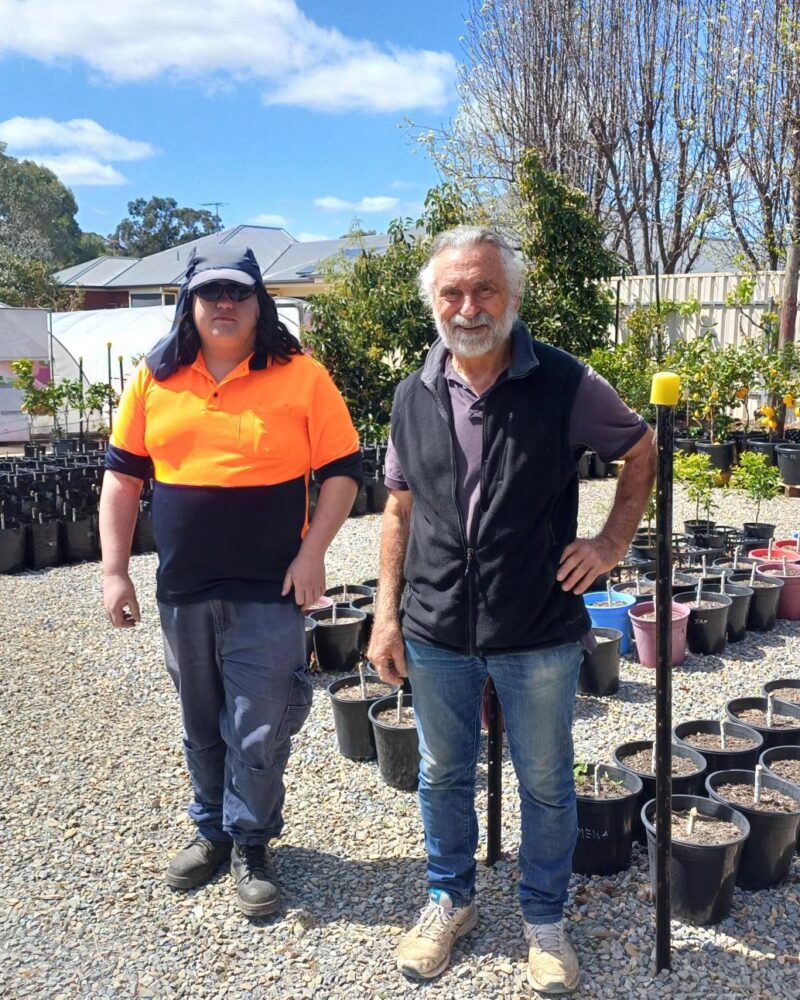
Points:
(141, 299)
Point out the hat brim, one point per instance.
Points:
(220, 274)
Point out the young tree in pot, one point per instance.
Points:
(723, 743)
(695, 474)
(351, 697)
(607, 799)
(759, 481)
(708, 841)
(772, 808)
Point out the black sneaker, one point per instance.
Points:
(256, 883)
(197, 862)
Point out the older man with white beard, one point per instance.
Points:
(481, 576)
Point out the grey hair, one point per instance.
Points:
(468, 237)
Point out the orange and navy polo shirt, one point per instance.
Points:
(231, 464)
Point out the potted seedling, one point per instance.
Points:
(759, 481)
(782, 762)
(698, 477)
(772, 808)
(351, 697)
(639, 757)
(763, 612)
(643, 622)
(781, 568)
(599, 673)
(723, 743)
(608, 609)
(784, 689)
(607, 798)
(778, 723)
(708, 839)
(12, 545)
(396, 740)
(707, 629)
(337, 637)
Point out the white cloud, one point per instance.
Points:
(78, 151)
(33, 134)
(312, 237)
(265, 219)
(302, 63)
(76, 169)
(403, 185)
(382, 203)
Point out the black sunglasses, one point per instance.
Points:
(214, 290)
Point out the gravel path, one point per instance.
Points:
(94, 791)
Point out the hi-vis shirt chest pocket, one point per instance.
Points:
(276, 431)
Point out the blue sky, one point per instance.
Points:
(288, 110)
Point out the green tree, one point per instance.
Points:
(27, 282)
(756, 477)
(159, 224)
(566, 302)
(370, 327)
(37, 213)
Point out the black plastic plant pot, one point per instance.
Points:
(707, 630)
(721, 454)
(605, 827)
(763, 613)
(346, 593)
(397, 749)
(647, 590)
(686, 445)
(705, 527)
(599, 673)
(372, 584)
(143, 538)
(377, 494)
(585, 465)
(721, 760)
(758, 529)
(768, 758)
(359, 508)
(338, 645)
(13, 545)
(778, 684)
(788, 456)
(310, 625)
(599, 467)
(740, 596)
(774, 736)
(79, 540)
(365, 604)
(767, 855)
(766, 448)
(702, 876)
(354, 732)
(682, 784)
(43, 547)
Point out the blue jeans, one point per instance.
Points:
(536, 689)
(240, 672)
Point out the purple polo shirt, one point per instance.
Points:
(599, 420)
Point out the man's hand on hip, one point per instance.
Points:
(306, 573)
(387, 652)
(119, 600)
(584, 560)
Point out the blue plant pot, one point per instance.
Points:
(611, 617)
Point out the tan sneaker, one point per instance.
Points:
(552, 962)
(425, 951)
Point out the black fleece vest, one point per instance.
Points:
(500, 592)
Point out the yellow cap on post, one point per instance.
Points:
(665, 389)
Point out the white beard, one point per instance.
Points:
(459, 340)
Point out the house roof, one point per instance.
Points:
(282, 259)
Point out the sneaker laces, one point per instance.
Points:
(548, 937)
(433, 919)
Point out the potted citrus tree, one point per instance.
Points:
(760, 481)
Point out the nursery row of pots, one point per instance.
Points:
(744, 774)
(723, 455)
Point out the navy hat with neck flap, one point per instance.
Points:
(219, 263)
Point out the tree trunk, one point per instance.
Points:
(789, 305)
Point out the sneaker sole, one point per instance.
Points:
(439, 969)
(557, 990)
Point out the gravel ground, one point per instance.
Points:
(94, 791)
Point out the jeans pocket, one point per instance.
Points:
(298, 704)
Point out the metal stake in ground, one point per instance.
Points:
(494, 774)
(664, 394)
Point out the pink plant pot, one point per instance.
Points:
(763, 554)
(793, 544)
(789, 600)
(645, 633)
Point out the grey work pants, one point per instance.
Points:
(240, 672)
